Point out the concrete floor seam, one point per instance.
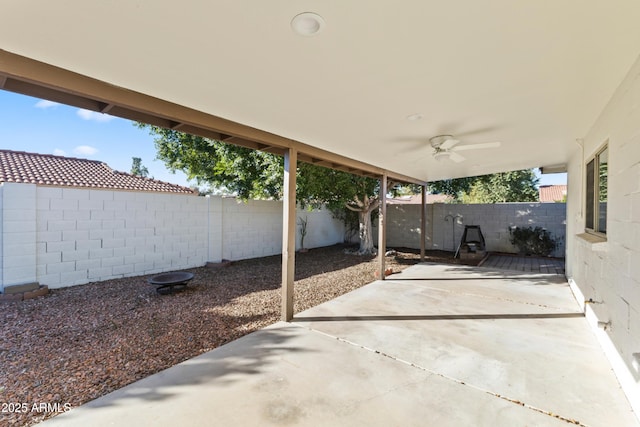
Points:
(458, 381)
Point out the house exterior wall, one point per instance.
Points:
(608, 270)
(64, 237)
(445, 224)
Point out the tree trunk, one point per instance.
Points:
(364, 207)
(365, 233)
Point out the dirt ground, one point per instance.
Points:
(79, 343)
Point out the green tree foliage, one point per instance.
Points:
(456, 188)
(138, 169)
(251, 174)
(514, 186)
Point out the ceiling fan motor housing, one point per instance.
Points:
(438, 140)
(440, 155)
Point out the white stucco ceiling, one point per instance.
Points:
(531, 74)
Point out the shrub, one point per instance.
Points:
(533, 241)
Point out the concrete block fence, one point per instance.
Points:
(62, 237)
(445, 224)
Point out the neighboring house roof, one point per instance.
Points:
(46, 169)
(416, 199)
(552, 193)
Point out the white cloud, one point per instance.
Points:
(92, 115)
(59, 152)
(85, 150)
(44, 104)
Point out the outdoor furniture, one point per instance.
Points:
(168, 282)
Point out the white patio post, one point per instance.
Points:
(288, 232)
(382, 226)
(423, 221)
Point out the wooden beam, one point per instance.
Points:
(274, 150)
(38, 91)
(382, 226)
(3, 81)
(35, 78)
(105, 108)
(289, 232)
(423, 221)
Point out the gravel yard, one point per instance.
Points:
(82, 342)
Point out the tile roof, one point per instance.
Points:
(552, 193)
(47, 169)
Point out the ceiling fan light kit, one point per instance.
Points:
(440, 155)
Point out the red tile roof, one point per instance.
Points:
(46, 169)
(552, 193)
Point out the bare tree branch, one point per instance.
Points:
(351, 208)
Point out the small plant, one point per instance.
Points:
(303, 232)
(533, 241)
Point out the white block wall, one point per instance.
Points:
(253, 229)
(608, 271)
(63, 237)
(94, 235)
(18, 239)
(494, 220)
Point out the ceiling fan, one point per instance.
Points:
(446, 147)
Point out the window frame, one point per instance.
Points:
(592, 188)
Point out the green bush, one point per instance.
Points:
(533, 241)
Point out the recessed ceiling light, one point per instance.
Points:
(414, 117)
(307, 24)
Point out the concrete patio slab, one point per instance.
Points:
(436, 345)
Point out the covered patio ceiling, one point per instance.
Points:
(532, 75)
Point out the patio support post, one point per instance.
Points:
(423, 221)
(382, 226)
(288, 232)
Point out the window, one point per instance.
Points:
(596, 192)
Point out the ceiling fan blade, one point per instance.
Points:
(456, 157)
(477, 146)
(449, 143)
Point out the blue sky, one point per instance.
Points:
(33, 125)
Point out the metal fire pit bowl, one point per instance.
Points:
(168, 282)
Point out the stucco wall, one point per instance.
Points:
(63, 237)
(445, 224)
(608, 271)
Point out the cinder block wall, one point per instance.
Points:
(18, 233)
(63, 236)
(607, 270)
(94, 235)
(445, 224)
(254, 228)
(1, 234)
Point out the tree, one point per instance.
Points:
(251, 174)
(138, 169)
(514, 186)
(456, 188)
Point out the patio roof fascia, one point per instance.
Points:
(34, 78)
